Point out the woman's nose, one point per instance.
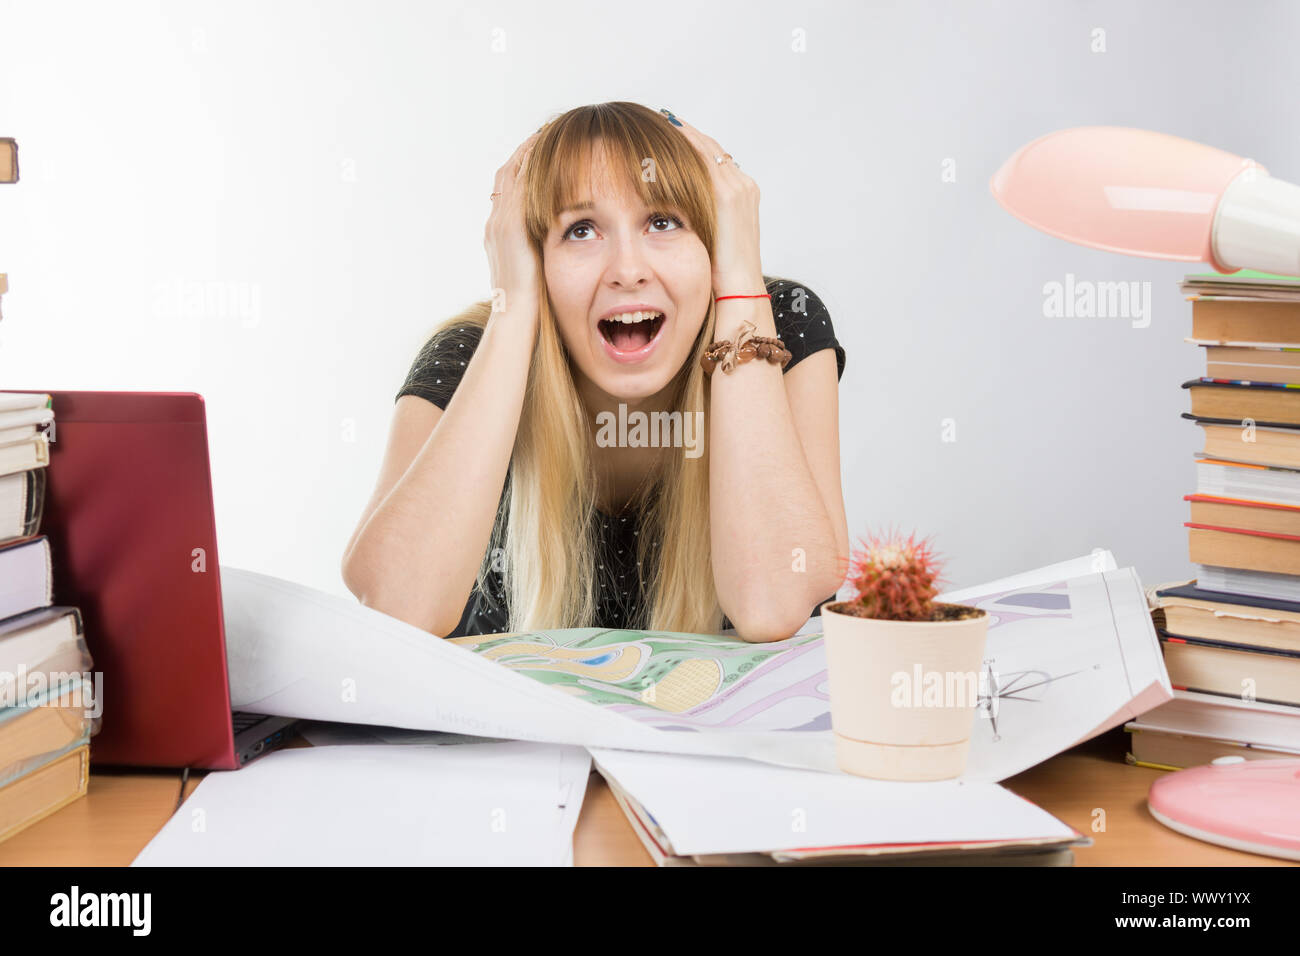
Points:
(628, 264)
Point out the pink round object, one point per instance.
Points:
(1251, 805)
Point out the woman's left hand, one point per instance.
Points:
(736, 260)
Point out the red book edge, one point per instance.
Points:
(1261, 534)
(1240, 501)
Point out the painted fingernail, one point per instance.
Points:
(671, 118)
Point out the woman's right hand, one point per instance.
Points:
(510, 254)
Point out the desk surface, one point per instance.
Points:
(123, 810)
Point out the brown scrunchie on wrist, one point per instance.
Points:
(748, 346)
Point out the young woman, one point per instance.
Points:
(516, 493)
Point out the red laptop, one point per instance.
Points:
(132, 532)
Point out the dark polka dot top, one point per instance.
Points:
(802, 323)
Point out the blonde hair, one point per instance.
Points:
(547, 526)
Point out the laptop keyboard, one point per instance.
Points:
(243, 720)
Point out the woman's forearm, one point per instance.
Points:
(418, 555)
(773, 544)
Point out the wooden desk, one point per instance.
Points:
(122, 811)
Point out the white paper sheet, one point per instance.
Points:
(503, 804)
(1071, 650)
(732, 805)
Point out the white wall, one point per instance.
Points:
(328, 165)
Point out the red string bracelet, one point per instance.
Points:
(761, 295)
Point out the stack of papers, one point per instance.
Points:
(726, 811)
(1071, 652)
(1245, 283)
(489, 804)
(714, 746)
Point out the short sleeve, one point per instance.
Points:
(803, 323)
(440, 364)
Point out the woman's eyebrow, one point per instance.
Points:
(586, 205)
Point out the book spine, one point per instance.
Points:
(21, 768)
(35, 504)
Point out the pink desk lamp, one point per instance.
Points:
(1149, 194)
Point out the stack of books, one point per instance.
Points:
(8, 160)
(1231, 635)
(8, 174)
(48, 705)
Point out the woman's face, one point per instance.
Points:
(617, 257)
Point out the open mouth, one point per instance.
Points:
(630, 336)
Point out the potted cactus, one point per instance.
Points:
(904, 669)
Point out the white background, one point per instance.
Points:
(272, 204)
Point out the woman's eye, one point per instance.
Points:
(665, 218)
(657, 217)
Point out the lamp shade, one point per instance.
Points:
(1145, 193)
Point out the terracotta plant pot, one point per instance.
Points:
(904, 694)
